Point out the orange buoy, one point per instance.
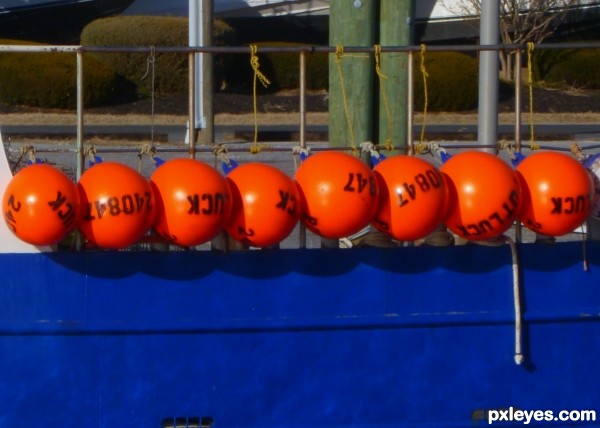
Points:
(557, 193)
(193, 201)
(41, 205)
(412, 197)
(265, 204)
(338, 194)
(118, 205)
(484, 195)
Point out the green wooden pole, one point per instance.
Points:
(351, 23)
(396, 28)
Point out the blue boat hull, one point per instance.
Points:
(421, 337)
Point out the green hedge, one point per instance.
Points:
(572, 67)
(170, 69)
(49, 80)
(452, 81)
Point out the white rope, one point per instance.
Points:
(519, 357)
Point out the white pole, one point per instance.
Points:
(195, 39)
(488, 74)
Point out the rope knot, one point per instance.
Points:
(254, 62)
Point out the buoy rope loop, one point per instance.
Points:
(258, 76)
(389, 145)
(425, 75)
(530, 48)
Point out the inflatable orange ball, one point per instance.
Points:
(118, 205)
(412, 197)
(338, 194)
(41, 205)
(265, 205)
(557, 193)
(193, 201)
(484, 195)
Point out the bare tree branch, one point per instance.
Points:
(521, 21)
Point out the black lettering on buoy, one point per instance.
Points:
(11, 221)
(476, 230)
(148, 201)
(128, 205)
(114, 207)
(497, 217)
(58, 202)
(361, 182)
(557, 205)
(139, 202)
(210, 209)
(485, 226)
(410, 190)
(219, 203)
(435, 179)
(68, 216)
(286, 202)
(283, 200)
(372, 186)
(463, 231)
(422, 182)
(349, 187)
(100, 209)
(15, 205)
(194, 201)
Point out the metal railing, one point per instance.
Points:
(302, 52)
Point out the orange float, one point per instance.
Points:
(41, 205)
(265, 204)
(118, 205)
(193, 201)
(484, 195)
(412, 197)
(557, 193)
(338, 194)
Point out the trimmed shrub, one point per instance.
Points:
(452, 81)
(577, 68)
(170, 69)
(49, 80)
(282, 69)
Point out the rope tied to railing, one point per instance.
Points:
(258, 76)
(532, 144)
(423, 50)
(339, 55)
(150, 66)
(388, 143)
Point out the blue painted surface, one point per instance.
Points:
(300, 338)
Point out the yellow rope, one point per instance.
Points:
(532, 144)
(426, 97)
(258, 76)
(388, 143)
(339, 54)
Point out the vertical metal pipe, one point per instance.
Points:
(488, 75)
(301, 227)
(191, 104)
(205, 96)
(303, 99)
(518, 228)
(518, 66)
(80, 79)
(410, 103)
(196, 10)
